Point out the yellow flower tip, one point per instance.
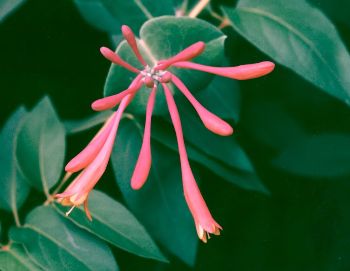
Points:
(205, 235)
(78, 199)
(217, 231)
(204, 239)
(202, 234)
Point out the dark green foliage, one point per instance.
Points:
(279, 186)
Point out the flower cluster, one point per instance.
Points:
(92, 161)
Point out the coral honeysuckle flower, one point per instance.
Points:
(92, 161)
(205, 223)
(94, 158)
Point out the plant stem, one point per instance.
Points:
(198, 8)
(225, 22)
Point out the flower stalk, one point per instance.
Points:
(198, 8)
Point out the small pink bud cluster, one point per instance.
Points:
(92, 161)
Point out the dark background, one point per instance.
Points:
(47, 49)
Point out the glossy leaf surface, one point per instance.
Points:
(14, 188)
(41, 146)
(299, 36)
(115, 224)
(57, 244)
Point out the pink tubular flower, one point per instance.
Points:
(94, 158)
(205, 223)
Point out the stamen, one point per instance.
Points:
(186, 54)
(113, 57)
(130, 38)
(70, 210)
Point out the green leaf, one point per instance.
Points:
(8, 6)
(318, 156)
(162, 38)
(109, 15)
(57, 244)
(115, 224)
(41, 146)
(15, 258)
(337, 10)
(160, 204)
(273, 126)
(76, 126)
(14, 188)
(299, 37)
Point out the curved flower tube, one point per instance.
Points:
(205, 224)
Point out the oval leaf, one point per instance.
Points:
(160, 204)
(14, 257)
(162, 38)
(322, 156)
(109, 15)
(57, 244)
(115, 224)
(14, 188)
(41, 146)
(298, 36)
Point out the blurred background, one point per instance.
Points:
(46, 48)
